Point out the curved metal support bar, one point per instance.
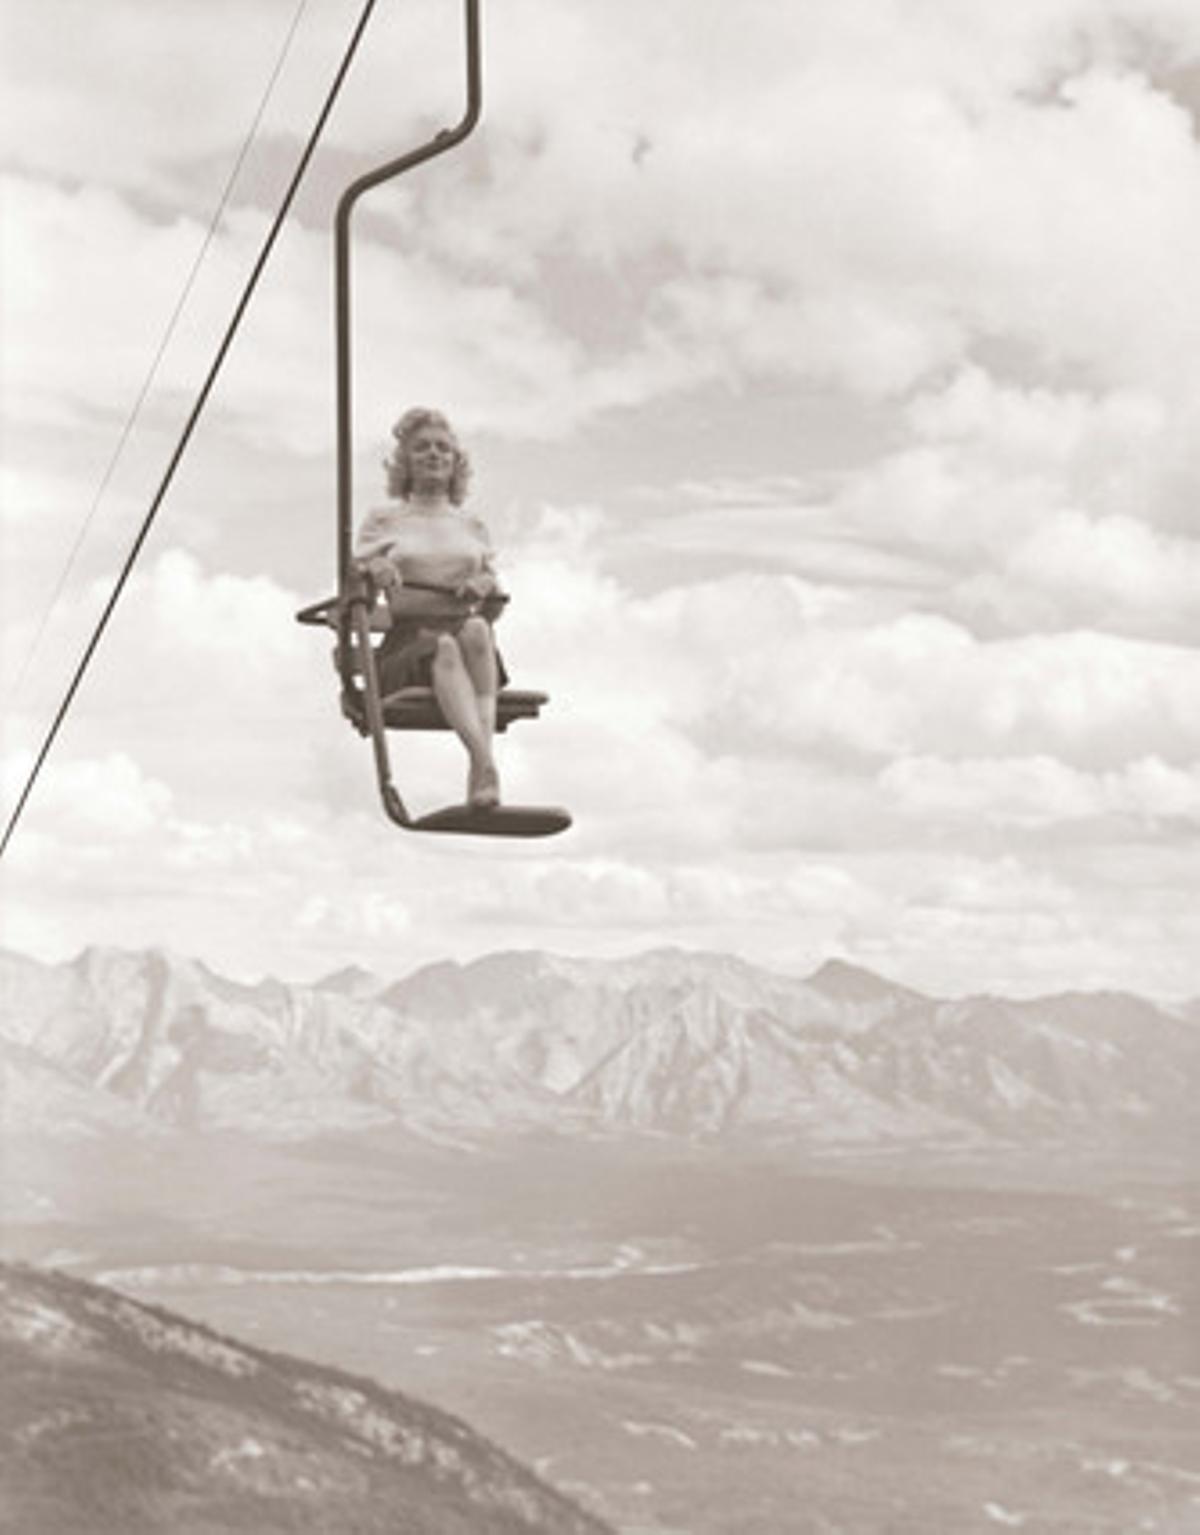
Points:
(392, 803)
(446, 139)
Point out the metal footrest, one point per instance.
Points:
(498, 821)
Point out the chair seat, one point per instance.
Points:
(418, 709)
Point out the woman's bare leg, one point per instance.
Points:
(455, 692)
(479, 657)
(479, 653)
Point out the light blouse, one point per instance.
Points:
(442, 549)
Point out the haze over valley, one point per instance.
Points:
(710, 1248)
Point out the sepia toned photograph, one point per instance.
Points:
(599, 767)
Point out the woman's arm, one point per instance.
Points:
(372, 558)
(376, 535)
(484, 583)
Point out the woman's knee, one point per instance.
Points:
(476, 635)
(446, 655)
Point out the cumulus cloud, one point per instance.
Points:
(770, 663)
(1039, 508)
(1041, 791)
(168, 95)
(1112, 571)
(846, 194)
(925, 692)
(922, 683)
(79, 335)
(244, 621)
(110, 797)
(890, 193)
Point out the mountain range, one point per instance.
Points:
(131, 1420)
(670, 1043)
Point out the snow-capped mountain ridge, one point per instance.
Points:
(669, 1042)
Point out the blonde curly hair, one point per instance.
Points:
(399, 471)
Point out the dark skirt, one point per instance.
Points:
(405, 658)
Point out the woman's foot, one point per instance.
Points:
(483, 786)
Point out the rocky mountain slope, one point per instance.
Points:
(130, 1419)
(669, 1043)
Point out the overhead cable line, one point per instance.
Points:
(143, 393)
(192, 420)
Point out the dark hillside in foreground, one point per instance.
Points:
(118, 1418)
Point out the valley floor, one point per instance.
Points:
(689, 1343)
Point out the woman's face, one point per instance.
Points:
(431, 458)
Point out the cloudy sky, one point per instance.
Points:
(831, 370)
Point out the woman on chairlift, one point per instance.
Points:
(434, 567)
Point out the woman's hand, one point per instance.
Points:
(382, 571)
(476, 588)
(482, 595)
(408, 603)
